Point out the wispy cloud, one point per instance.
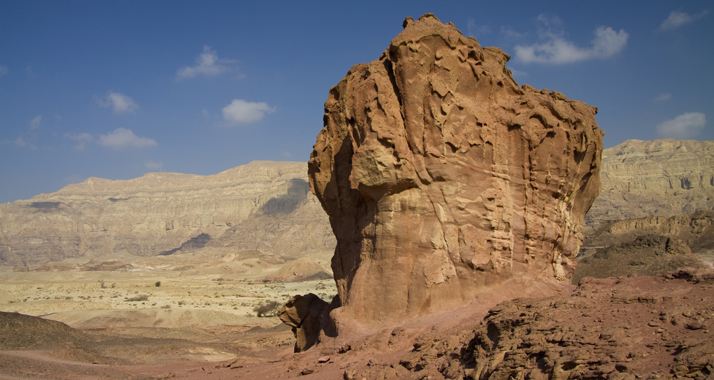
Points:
(207, 64)
(476, 30)
(557, 50)
(82, 140)
(35, 122)
(677, 19)
(507, 31)
(19, 141)
(3, 71)
(154, 165)
(663, 97)
(241, 112)
(684, 126)
(124, 138)
(119, 103)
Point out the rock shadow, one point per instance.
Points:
(196, 242)
(286, 204)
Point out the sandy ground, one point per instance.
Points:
(152, 321)
(179, 300)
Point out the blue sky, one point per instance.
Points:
(115, 89)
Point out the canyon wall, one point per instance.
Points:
(654, 178)
(265, 206)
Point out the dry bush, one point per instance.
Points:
(139, 298)
(268, 309)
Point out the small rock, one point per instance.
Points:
(307, 371)
(694, 325)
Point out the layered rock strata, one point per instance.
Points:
(442, 176)
(655, 178)
(696, 230)
(265, 206)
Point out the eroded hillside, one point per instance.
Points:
(265, 206)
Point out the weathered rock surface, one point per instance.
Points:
(264, 206)
(442, 176)
(305, 315)
(696, 230)
(647, 255)
(654, 178)
(627, 328)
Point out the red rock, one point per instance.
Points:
(442, 176)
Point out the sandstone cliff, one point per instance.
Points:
(265, 206)
(442, 176)
(654, 178)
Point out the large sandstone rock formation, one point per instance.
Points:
(654, 178)
(264, 206)
(442, 176)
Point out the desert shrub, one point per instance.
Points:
(139, 298)
(157, 284)
(267, 309)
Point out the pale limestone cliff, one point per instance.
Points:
(654, 178)
(442, 176)
(264, 206)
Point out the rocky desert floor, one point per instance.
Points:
(198, 322)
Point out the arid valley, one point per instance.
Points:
(449, 224)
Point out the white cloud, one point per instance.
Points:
(557, 50)
(3, 71)
(35, 122)
(207, 64)
(663, 97)
(677, 19)
(82, 140)
(124, 138)
(19, 141)
(119, 103)
(153, 165)
(476, 30)
(684, 126)
(507, 31)
(240, 111)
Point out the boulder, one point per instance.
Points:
(303, 314)
(441, 176)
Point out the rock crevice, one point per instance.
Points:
(442, 176)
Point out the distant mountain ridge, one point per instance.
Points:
(654, 178)
(268, 207)
(263, 205)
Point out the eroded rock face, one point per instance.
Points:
(304, 315)
(264, 206)
(442, 176)
(655, 178)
